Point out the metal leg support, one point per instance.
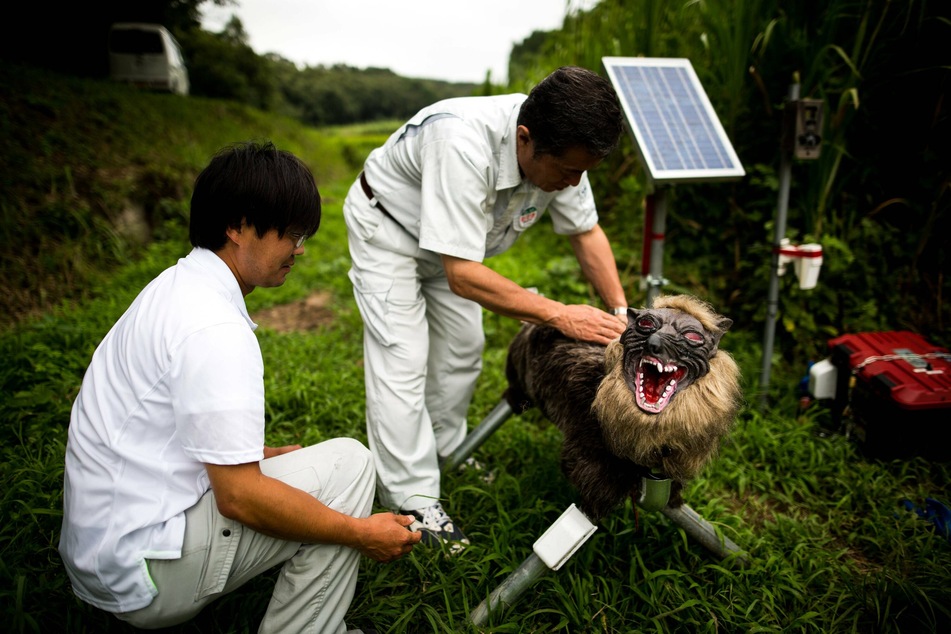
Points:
(534, 567)
(565, 545)
(511, 588)
(478, 435)
(701, 530)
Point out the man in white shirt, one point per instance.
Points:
(171, 497)
(456, 184)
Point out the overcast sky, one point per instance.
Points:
(453, 40)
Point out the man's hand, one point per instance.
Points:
(275, 508)
(385, 537)
(587, 323)
(475, 281)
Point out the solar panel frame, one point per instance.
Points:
(676, 130)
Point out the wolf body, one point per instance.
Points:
(654, 403)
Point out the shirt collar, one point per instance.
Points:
(509, 174)
(220, 273)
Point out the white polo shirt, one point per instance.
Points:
(178, 381)
(450, 177)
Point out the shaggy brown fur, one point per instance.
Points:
(609, 442)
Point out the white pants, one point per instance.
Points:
(317, 581)
(422, 347)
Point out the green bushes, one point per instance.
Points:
(876, 199)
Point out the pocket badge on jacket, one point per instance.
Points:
(527, 218)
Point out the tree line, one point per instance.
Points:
(73, 40)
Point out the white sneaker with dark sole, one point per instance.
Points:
(437, 528)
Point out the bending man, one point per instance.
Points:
(455, 185)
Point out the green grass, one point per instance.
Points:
(829, 547)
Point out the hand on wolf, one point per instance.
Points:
(587, 323)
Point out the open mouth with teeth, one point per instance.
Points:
(655, 383)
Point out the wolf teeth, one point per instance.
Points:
(661, 367)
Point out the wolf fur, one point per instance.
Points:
(609, 443)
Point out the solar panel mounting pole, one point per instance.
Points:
(654, 242)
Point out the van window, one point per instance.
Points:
(136, 42)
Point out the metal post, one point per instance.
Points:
(782, 206)
(479, 435)
(655, 278)
(511, 588)
(533, 567)
(701, 530)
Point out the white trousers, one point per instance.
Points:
(422, 347)
(316, 583)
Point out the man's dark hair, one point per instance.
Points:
(573, 107)
(255, 183)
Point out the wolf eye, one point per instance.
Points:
(693, 336)
(646, 323)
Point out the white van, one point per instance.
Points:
(147, 55)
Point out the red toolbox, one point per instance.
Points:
(897, 388)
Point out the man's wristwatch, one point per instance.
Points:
(619, 310)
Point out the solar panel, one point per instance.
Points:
(675, 128)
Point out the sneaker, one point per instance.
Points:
(437, 528)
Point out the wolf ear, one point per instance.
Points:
(722, 326)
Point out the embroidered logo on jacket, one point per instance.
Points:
(527, 218)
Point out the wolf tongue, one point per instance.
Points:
(656, 386)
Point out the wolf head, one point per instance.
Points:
(669, 395)
(668, 347)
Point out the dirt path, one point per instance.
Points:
(303, 315)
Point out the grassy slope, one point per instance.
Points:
(829, 548)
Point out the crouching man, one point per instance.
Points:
(171, 498)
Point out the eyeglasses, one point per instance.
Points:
(297, 237)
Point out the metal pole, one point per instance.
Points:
(646, 239)
(782, 206)
(509, 590)
(533, 567)
(479, 435)
(656, 277)
(701, 530)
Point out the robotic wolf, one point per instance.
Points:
(655, 403)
